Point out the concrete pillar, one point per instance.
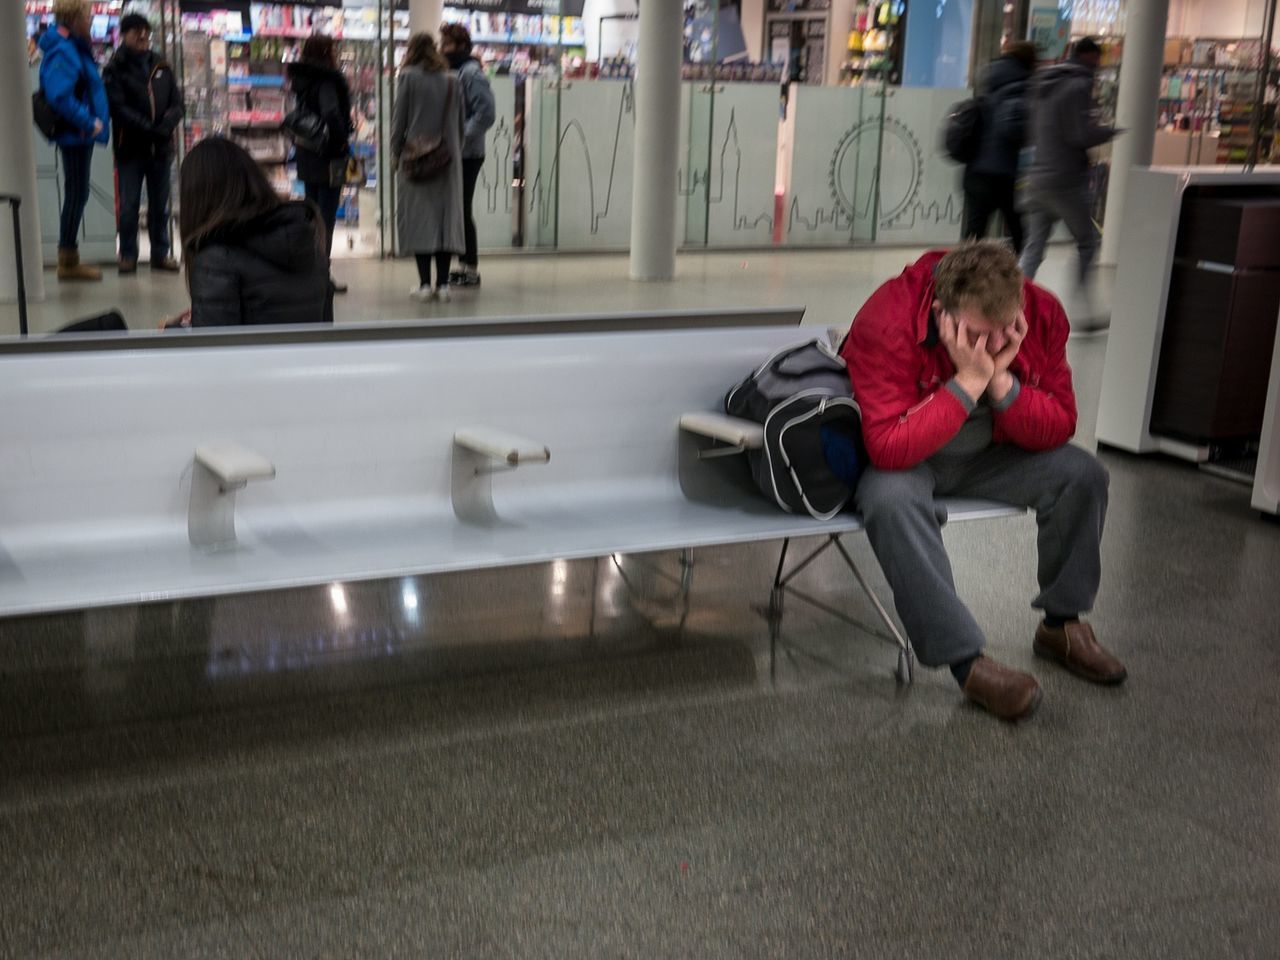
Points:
(657, 92)
(17, 162)
(1140, 70)
(425, 16)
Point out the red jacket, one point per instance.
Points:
(899, 370)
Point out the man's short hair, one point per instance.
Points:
(1085, 46)
(980, 275)
(134, 21)
(459, 34)
(1023, 51)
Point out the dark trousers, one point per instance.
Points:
(77, 167)
(1073, 205)
(471, 167)
(1067, 489)
(328, 199)
(130, 176)
(424, 267)
(986, 194)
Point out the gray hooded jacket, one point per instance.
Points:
(1063, 126)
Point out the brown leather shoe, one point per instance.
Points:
(1075, 647)
(166, 265)
(1002, 691)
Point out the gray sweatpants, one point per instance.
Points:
(1045, 206)
(1067, 489)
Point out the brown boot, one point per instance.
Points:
(70, 267)
(1002, 691)
(1075, 647)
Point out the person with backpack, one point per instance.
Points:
(960, 371)
(991, 176)
(479, 113)
(71, 85)
(146, 105)
(321, 89)
(1063, 131)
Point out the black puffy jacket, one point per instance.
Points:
(268, 271)
(1004, 90)
(146, 104)
(322, 90)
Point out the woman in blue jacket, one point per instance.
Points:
(71, 84)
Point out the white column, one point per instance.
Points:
(1136, 111)
(657, 91)
(17, 161)
(425, 16)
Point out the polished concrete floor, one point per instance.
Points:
(831, 284)
(586, 760)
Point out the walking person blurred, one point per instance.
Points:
(72, 86)
(428, 127)
(479, 113)
(321, 88)
(1063, 131)
(991, 178)
(146, 106)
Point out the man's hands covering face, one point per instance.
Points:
(974, 366)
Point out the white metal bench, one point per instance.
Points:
(133, 476)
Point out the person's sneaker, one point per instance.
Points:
(125, 267)
(1002, 691)
(441, 293)
(166, 265)
(464, 278)
(338, 285)
(422, 294)
(1074, 646)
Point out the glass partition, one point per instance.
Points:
(831, 147)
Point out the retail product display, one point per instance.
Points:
(876, 42)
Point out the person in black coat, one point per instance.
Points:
(321, 89)
(146, 109)
(991, 178)
(250, 257)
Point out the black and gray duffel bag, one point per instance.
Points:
(813, 449)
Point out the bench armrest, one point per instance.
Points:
(734, 431)
(509, 448)
(234, 465)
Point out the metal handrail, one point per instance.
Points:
(15, 204)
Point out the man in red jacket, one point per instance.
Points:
(959, 366)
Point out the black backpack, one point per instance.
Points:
(962, 132)
(803, 398)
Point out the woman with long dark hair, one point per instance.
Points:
(429, 212)
(250, 257)
(321, 89)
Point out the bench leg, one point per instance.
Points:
(211, 511)
(782, 585)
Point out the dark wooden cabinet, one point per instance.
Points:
(1220, 323)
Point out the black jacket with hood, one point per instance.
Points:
(1064, 127)
(1004, 91)
(270, 270)
(146, 104)
(322, 90)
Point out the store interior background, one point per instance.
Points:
(803, 122)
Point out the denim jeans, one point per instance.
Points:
(131, 175)
(77, 167)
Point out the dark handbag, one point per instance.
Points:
(425, 158)
(308, 129)
(49, 121)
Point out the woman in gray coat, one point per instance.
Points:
(429, 214)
